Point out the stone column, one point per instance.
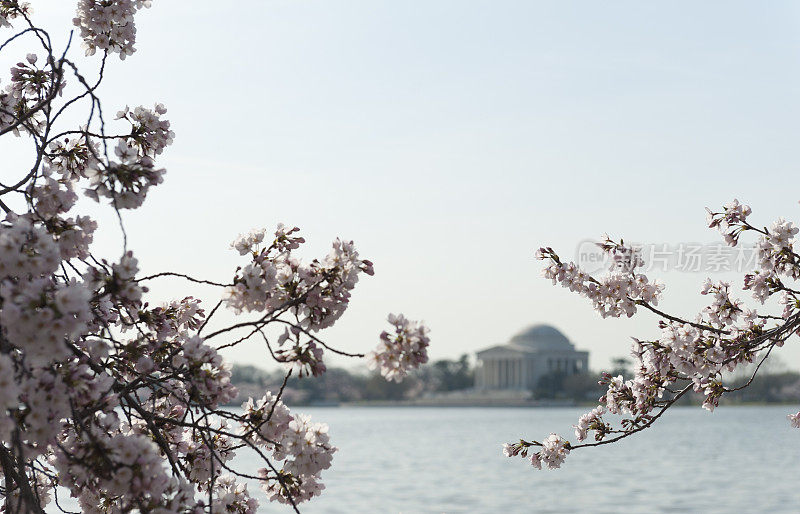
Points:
(499, 373)
(531, 373)
(515, 365)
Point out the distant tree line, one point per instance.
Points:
(340, 385)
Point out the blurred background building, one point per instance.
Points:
(535, 352)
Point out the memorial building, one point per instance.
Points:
(533, 353)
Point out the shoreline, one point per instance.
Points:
(533, 404)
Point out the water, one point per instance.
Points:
(408, 460)
(448, 460)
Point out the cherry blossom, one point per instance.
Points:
(591, 421)
(108, 25)
(618, 292)
(553, 451)
(11, 9)
(402, 351)
(123, 403)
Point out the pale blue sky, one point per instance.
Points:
(450, 139)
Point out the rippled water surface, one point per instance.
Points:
(735, 460)
(408, 460)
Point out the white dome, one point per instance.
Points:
(542, 337)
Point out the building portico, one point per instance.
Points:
(535, 352)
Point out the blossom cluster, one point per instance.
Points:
(167, 320)
(8, 109)
(150, 134)
(612, 295)
(10, 9)
(29, 82)
(134, 472)
(70, 158)
(210, 376)
(28, 89)
(205, 454)
(126, 182)
(303, 446)
(108, 25)
(724, 310)
(776, 250)
(592, 420)
(401, 351)
(233, 496)
(553, 452)
(731, 222)
(9, 395)
(299, 353)
(762, 284)
(317, 293)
